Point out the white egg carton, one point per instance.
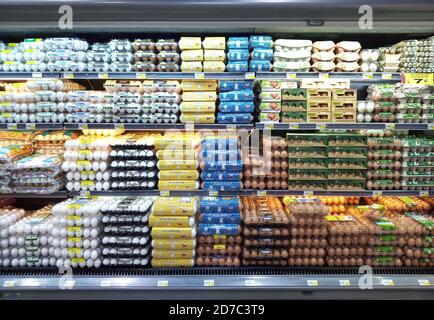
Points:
(160, 118)
(98, 66)
(127, 251)
(65, 44)
(121, 57)
(161, 107)
(66, 55)
(85, 175)
(65, 66)
(126, 261)
(98, 56)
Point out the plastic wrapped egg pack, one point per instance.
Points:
(87, 163)
(238, 54)
(75, 240)
(385, 102)
(199, 99)
(173, 231)
(221, 163)
(270, 172)
(365, 110)
(261, 53)
(9, 154)
(25, 238)
(219, 218)
(308, 233)
(236, 102)
(161, 56)
(369, 60)
(125, 231)
(121, 55)
(133, 165)
(292, 55)
(416, 55)
(410, 102)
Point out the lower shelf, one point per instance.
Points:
(220, 283)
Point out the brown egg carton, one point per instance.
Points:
(315, 232)
(218, 249)
(266, 231)
(339, 252)
(274, 143)
(307, 262)
(309, 242)
(264, 253)
(344, 261)
(264, 263)
(207, 261)
(306, 220)
(266, 183)
(391, 164)
(262, 174)
(414, 262)
(383, 261)
(305, 252)
(312, 208)
(266, 242)
(220, 239)
(263, 211)
(348, 240)
(418, 253)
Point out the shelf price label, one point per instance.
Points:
(368, 75)
(419, 78)
(312, 283)
(189, 126)
(291, 75)
(83, 126)
(389, 126)
(213, 193)
(308, 193)
(103, 75)
(209, 283)
(323, 75)
(85, 194)
(162, 283)
(8, 284)
(140, 75)
(430, 126)
(30, 126)
(12, 126)
(249, 282)
(106, 283)
(36, 74)
(164, 193)
(386, 76)
(387, 282)
(261, 193)
(249, 76)
(423, 193)
(69, 75)
(269, 126)
(231, 127)
(344, 283)
(69, 284)
(119, 126)
(294, 126)
(424, 282)
(199, 75)
(377, 193)
(320, 126)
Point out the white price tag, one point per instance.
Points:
(430, 126)
(231, 127)
(68, 75)
(199, 75)
(319, 126)
(344, 283)
(294, 126)
(85, 194)
(323, 75)
(423, 193)
(368, 76)
(140, 75)
(312, 283)
(84, 126)
(377, 193)
(162, 283)
(103, 75)
(250, 282)
(268, 125)
(106, 283)
(424, 282)
(291, 75)
(249, 76)
(261, 193)
(387, 282)
(386, 76)
(30, 283)
(30, 126)
(390, 126)
(8, 284)
(189, 126)
(119, 126)
(12, 126)
(308, 193)
(209, 283)
(213, 193)
(37, 75)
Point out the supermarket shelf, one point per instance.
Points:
(159, 75)
(27, 75)
(345, 126)
(55, 195)
(353, 76)
(156, 126)
(31, 126)
(217, 283)
(280, 193)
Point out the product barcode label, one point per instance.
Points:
(312, 283)
(424, 282)
(199, 75)
(209, 283)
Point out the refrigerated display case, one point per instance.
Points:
(102, 21)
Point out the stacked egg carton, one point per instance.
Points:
(53, 142)
(428, 105)
(409, 99)
(161, 101)
(307, 161)
(319, 105)
(191, 54)
(266, 232)
(384, 162)
(221, 162)
(347, 56)
(49, 55)
(292, 55)
(75, 240)
(125, 231)
(9, 154)
(35, 101)
(9, 216)
(270, 101)
(294, 103)
(99, 57)
(236, 102)
(347, 149)
(323, 56)
(308, 231)
(150, 56)
(238, 54)
(416, 56)
(173, 232)
(364, 111)
(383, 95)
(87, 163)
(369, 60)
(214, 54)
(389, 60)
(219, 219)
(199, 99)
(344, 105)
(261, 53)
(133, 163)
(121, 55)
(272, 171)
(177, 162)
(28, 240)
(418, 155)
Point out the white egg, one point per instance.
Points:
(360, 117)
(73, 166)
(370, 105)
(368, 118)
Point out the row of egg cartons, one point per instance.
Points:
(53, 142)
(219, 218)
(161, 55)
(173, 222)
(39, 100)
(133, 163)
(384, 98)
(86, 164)
(389, 59)
(40, 55)
(177, 161)
(125, 239)
(76, 234)
(199, 100)
(203, 56)
(365, 110)
(236, 102)
(9, 154)
(416, 55)
(292, 55)
(221, 162)
(415, 103)
(328, 56)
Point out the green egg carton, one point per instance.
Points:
(347, 139)
(307, 174)
(294, 94)
(296, 163)
(314, 140)
(294, 106)
(351, 185)
(346, 163)
(349, 174)
(294, 117)
(307, 185)
(307, 152)
(347, 152)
